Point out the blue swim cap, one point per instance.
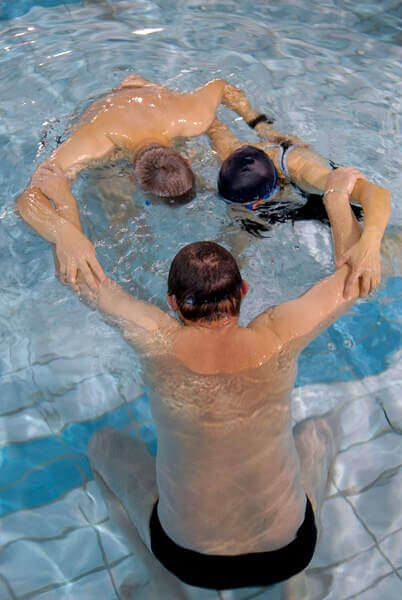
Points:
(247, 176)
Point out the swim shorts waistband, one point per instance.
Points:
(220, 572)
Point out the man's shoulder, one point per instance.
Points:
(263, 321)
(154, 334)
(208, 94)
(265, 326)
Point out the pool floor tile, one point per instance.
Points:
(380, 454)
(51, 520)
(271, 593)
(342, 534)
(22, 426)
(113, 542)
(391, 546)
(129, 567)
(348, 578)
(379, 507)
(4, 592)
(387, 588)
(94, 586)
(50, 562)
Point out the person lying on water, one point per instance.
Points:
(141, 119)
(251, 179)
(233, 497)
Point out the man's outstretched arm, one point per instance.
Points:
(137, 318)
(299, 321)
(50, 208)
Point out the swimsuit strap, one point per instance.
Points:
(283, 160)
(281, 153)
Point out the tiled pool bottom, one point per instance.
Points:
(70, 549)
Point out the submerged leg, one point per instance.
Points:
(125, 473)
(128, 470)
(295, 588)
(315, 443)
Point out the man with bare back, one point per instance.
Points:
(140, 120)
(233, 497)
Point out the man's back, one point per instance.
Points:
(231, 474)
(129, 117)
(227, 467)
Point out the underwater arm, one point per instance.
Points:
(223, 140)
(236, 100)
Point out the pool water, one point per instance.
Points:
(326, 71)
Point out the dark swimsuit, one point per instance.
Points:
(224, 572)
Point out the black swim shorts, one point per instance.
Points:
(221, 572)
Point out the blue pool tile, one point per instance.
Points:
(392, 289)
(4, 593)
(45, 484)
(49, 480)
(10, 9)
(148, 434)
(16, 459)
(140, 409)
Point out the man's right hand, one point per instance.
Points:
(76, 253)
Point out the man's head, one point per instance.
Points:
(163, 172)
(247, 176)
(205, 283)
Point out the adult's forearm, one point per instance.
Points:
(345, 229)
(223, 140)
(67, 207)
(376, 204)
(36, 210)
(236, 100)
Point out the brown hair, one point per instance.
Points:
(163, 172)
(206, 281)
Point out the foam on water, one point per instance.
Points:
(328, 72)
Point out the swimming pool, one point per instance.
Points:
(328, 73)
